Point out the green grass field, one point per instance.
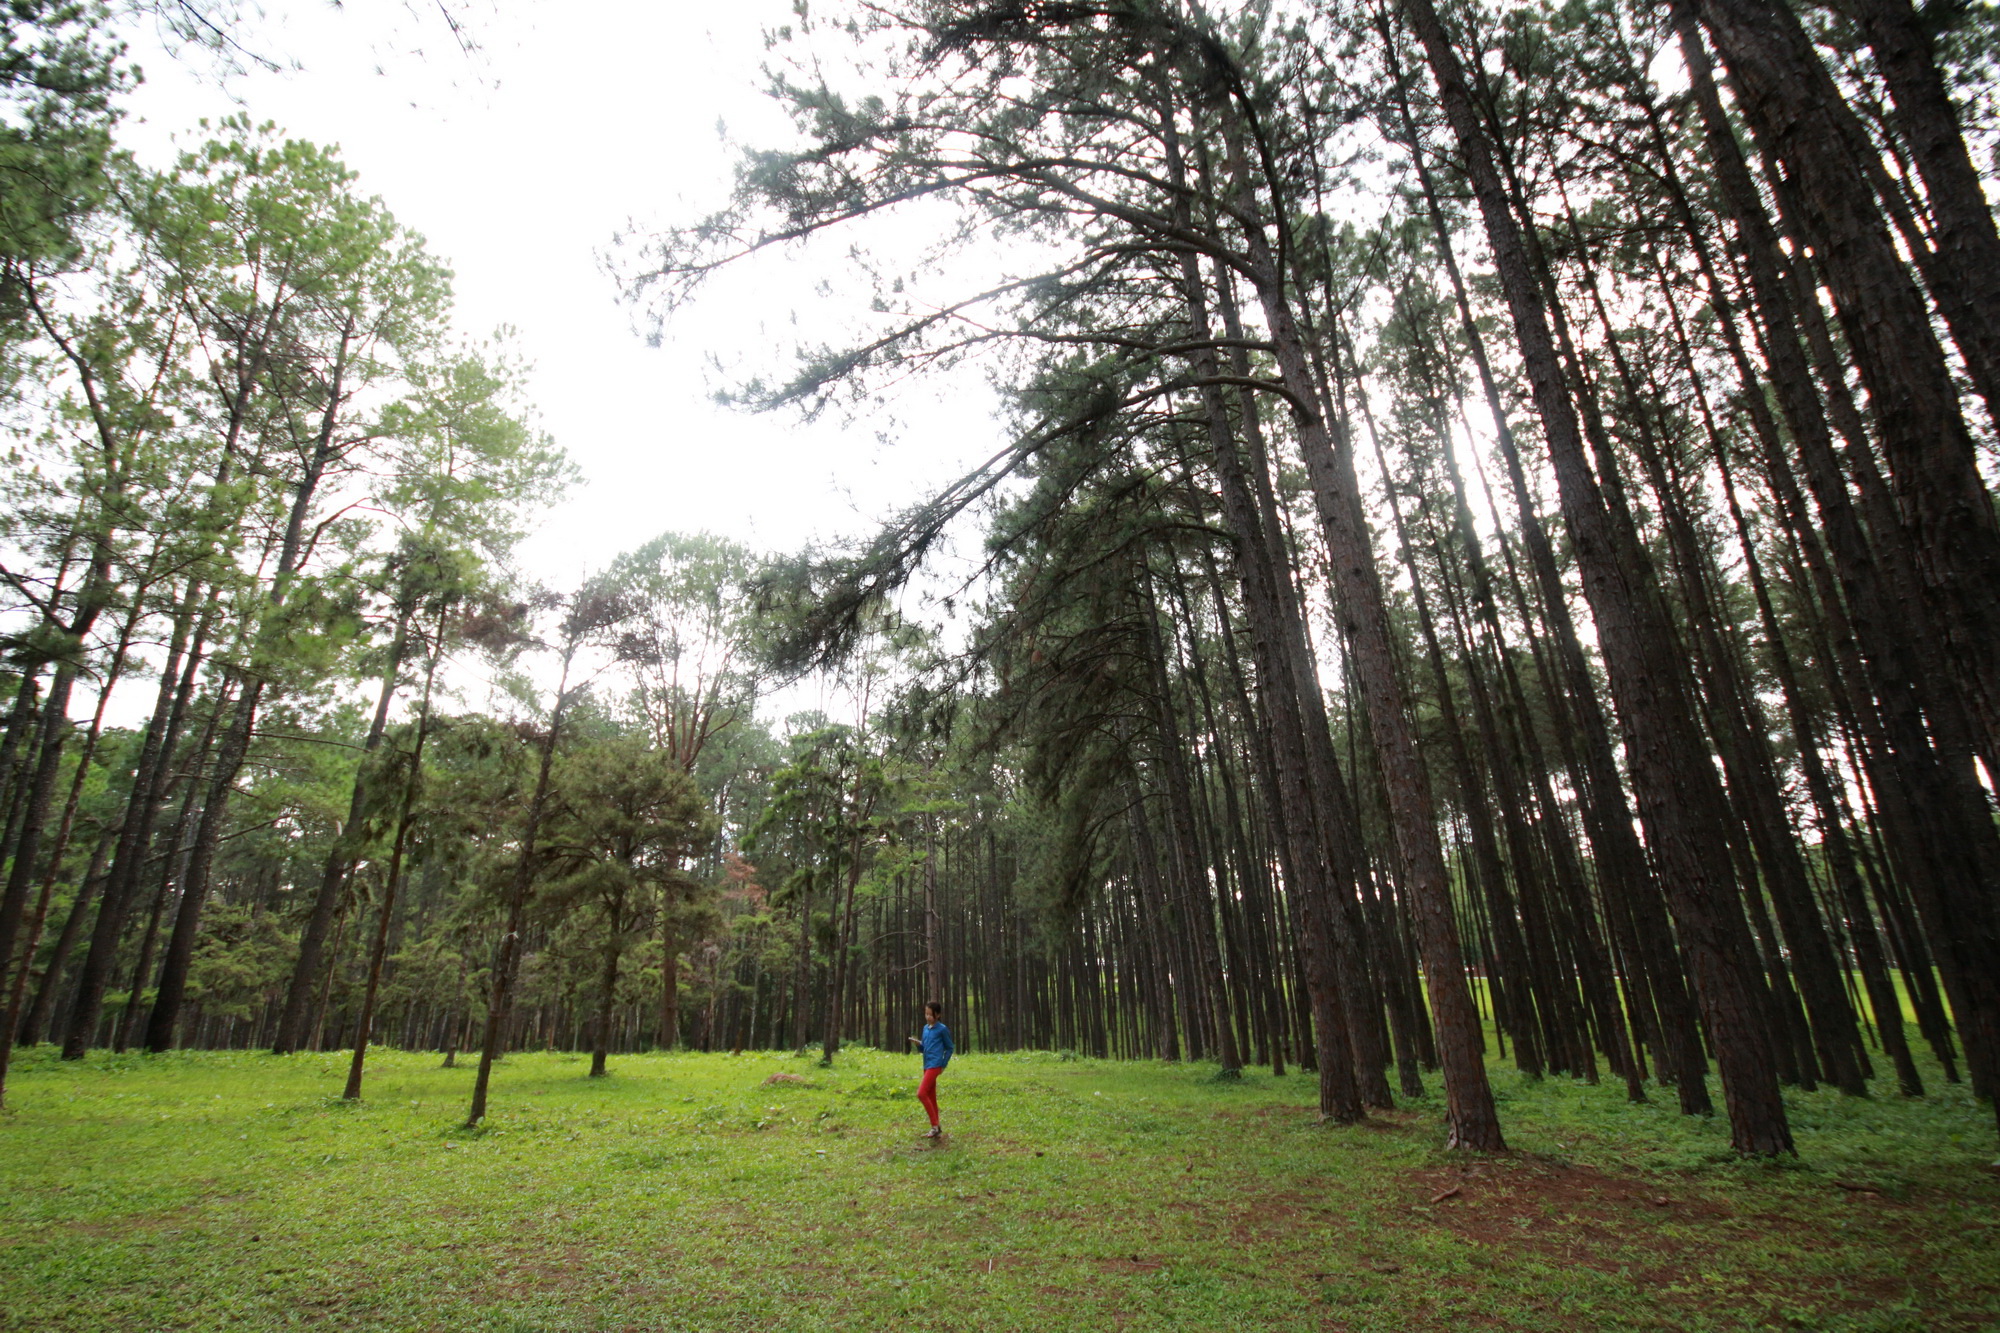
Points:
(685, 1192)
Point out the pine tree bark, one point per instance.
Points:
(1967, 245)
(1800, 121)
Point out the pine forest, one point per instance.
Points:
(1463, 696)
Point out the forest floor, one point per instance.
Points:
(689, 1192)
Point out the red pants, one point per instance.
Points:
(927, 1092)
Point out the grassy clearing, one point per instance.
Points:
(216, 1190)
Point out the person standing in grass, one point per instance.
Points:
(936, 1041)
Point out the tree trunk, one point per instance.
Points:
(150, 783)
(1629, 886)
(670, 983)
(1669, 761)
(1968, 246)
(1309, 877)
(392, 882)
(1472, 1122)
(38, 797)
(333, 875)
(35, 1025)
(600, 1045)
(500, 1003)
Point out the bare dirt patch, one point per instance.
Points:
(1549, 1206)
(1665, 1234)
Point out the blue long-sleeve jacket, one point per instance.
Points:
(937, 1046)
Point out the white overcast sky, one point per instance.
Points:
(519, 162)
